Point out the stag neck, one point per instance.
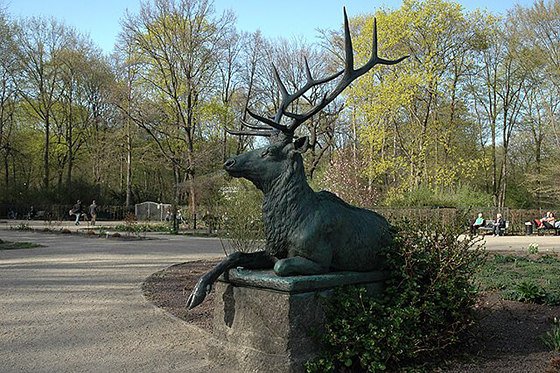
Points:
(284, 206)
(290, 187)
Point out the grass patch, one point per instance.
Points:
(138, 228)
(8, 245)
(521, 277)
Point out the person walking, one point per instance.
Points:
(93, 212)
(77, 210)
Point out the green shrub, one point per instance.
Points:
(242, 226)
(460, 196)
(501, 259)
(426, 307)
(552, 298)
(549, 259)
(533, 248)
(21, 227)
(142, 228)
(552, 338)
(530, 292)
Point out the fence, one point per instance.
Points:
(465, 215)
(516, 217)
(60, 212)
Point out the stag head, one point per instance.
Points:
(265, 165)
(258, 164)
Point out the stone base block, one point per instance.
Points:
(265, 323)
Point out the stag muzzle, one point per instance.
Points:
(230, 166)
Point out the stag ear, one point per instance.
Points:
(301, 144)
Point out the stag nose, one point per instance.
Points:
(229, 163)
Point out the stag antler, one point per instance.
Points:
(349, 74)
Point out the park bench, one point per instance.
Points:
(489, 226)
(542, 230)
(38, 215)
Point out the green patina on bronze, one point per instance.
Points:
(267, 279)
(307, 233)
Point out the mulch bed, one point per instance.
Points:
(507, 338)
(170, 288)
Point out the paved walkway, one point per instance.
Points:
(548, 243)
(75, 305)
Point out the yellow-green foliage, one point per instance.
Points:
(412, 118)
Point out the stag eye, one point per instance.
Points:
(266, 152)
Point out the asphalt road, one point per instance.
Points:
(76, 305)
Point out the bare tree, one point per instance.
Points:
(7, 96)
(176, 44)
(40, 43)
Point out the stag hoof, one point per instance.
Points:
(198, 294)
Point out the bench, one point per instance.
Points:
(489, 226)
(38, 215)
(542, 230)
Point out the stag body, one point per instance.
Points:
(306, 232)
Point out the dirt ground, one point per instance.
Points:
(169, 289)
(507, 338)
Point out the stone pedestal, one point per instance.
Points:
(264, 323)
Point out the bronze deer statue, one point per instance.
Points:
(306, 232)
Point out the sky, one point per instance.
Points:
(277, 18)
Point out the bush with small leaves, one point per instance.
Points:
(427, 306)
(242, 219)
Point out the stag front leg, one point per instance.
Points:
(298, 265)
(257, 260)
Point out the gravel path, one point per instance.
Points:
(547, 243)
(76, 305)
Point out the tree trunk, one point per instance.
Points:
(128, 165)
(46, 154)
(190, 153)
(69, 139)
(503, 177)
(494, 167)
(7, 170)
(538, 169)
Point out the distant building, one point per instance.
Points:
(151, 211)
